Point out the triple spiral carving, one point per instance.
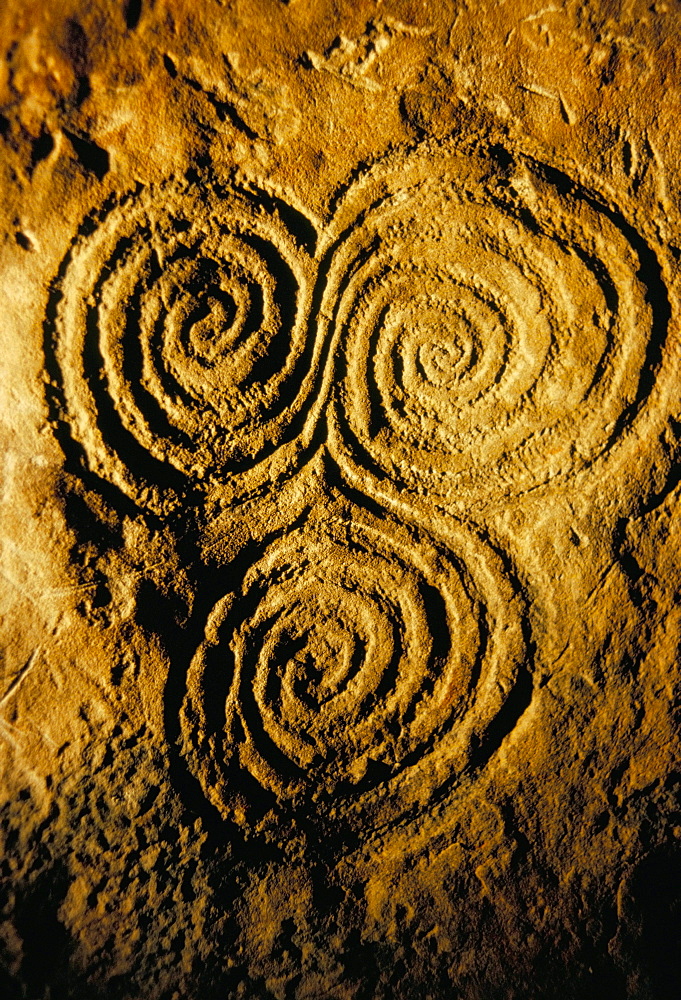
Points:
(470, 325)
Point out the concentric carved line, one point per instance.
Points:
(179, 330)
(498, 327)
(355, 665)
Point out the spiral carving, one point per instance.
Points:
(471, 325)
(181, 336)
(355, 664)
(497, 324)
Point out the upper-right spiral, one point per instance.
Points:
(499, 325)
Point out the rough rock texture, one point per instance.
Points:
(341, 549)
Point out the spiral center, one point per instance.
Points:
(442, 359)
(211, 325)
(315, 660)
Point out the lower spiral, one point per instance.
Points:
(354, 664)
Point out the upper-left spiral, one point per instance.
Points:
(178, 332)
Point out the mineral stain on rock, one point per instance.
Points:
(340, 628)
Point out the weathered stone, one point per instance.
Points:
(341, 352)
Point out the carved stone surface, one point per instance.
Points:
(341, 352)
